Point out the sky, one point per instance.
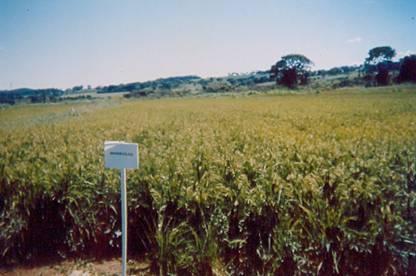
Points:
(61, 44)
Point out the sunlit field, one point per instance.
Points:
(295, 183)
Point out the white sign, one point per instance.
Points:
(121, 155)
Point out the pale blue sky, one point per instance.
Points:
(60, 44)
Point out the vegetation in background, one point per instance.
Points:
(30, 95)
(408, 69)
(294, 184)
(291, 70)
(378, 65)
(144, 88)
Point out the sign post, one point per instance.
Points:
(122, 156)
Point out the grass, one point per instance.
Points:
(275, 183)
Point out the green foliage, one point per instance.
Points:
(291, 70)
(408, 69)
(379, 61)
(294, 184)
(379, 55)
(32, 95)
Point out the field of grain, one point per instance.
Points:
(287, 184)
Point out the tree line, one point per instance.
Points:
(31, 95)
(291, 71)
(378, 69)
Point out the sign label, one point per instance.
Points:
(121, 155)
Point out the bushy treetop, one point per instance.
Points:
(380, 54)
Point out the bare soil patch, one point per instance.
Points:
(79, 268)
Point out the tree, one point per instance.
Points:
(379, 55)
(291, 70)
(408, 69)
(77, 88)
(379, 62)
(383, 76)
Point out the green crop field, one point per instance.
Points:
(274, 184)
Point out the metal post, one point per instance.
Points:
(123, 221)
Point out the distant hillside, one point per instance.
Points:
(346, 76)
(179, 86)
(159, 84)
(30, 95)
(337, 77)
